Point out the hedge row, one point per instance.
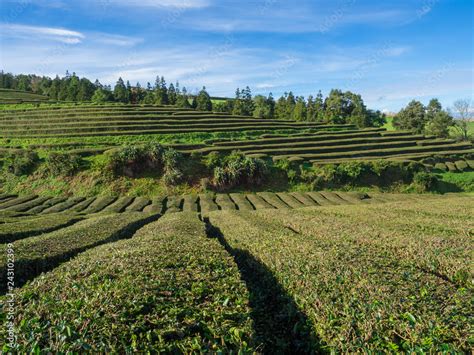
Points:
(409, 156)
(265, 148)
(35, 226)
(315, 149)
(172, 131)
(258, 202)
(224, 202)
(38, 254)
(25, 206)
(51, 202)
(312, 137)
(170, 289)
(383, 152)
(66, 205)
(241, 202)
(142, 120)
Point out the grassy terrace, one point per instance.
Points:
(301, 273)
(204, 203)
(86, 121)
(8, 96)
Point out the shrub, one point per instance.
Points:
(362, 173)
(425, 181)
(172, 172)
(237, 169)
(63, 164)
(133, 160)
(212, 160)
(22, 162)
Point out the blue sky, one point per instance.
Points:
(388, 51)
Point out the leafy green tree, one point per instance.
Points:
(161, 91)
(237, 106)
(247, 103)
(464, 110)
(434, 107)
(23, 83)
(412, 117)
(439, 124)
(86, 90)
(54, 89)
(280, 108)
(149, 98)
(172, 94)
(182, 100)
(319, 107)
(120, 91)
(299, 110)
(203, 100)
(262, 106)
(73, 88)
(99, 96)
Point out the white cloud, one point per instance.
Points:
(179, 4)
(115, 40)
(48, 33)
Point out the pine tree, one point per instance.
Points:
(319, 107)
(182, 100)
(299, 110)
(172, 94)
(310, 109)
(203, 100)
(120, 91)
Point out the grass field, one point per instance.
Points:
(8, 96)
(390, 275)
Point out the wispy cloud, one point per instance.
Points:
(114, 40)
(48, 33)
(182, 4)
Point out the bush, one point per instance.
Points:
(238, 169)
(425, 181)
(22, 162)
(63, 164)
(362, 173)
(172, 172)
(133, 160)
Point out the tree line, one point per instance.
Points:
(434, 120)
(338, 107)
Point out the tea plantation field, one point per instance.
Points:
(264, 273)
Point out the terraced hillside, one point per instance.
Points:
(318, 279)
(11, 205)
(106, 120)
(9, 96)
(333, 147)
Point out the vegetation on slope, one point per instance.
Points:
(398, 282)
(169, 289)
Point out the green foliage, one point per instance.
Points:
(172, 172)
(238, 169)
(203, 101)
(362, 173)
(411, 117)
(170, 289)
(439, 124)
(132, 160)
(63, 164)
(120, 91)
(425, 181)
(431, 119)
(21, 162)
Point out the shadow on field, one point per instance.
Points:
(279, 326)
(28, 269)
